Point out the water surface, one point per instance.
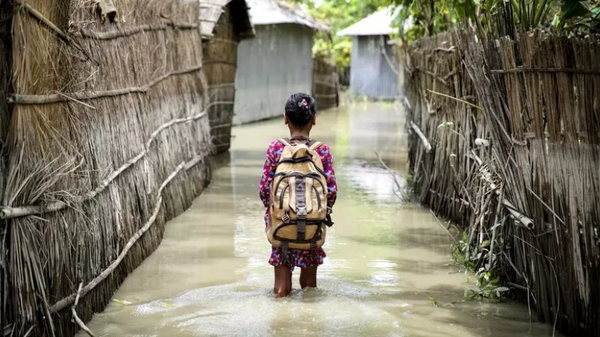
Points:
(386, 260)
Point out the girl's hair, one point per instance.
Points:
(300, 109)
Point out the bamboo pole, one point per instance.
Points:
(523, 219)
(223, 85)
(59, 32)
(115, 34)
(233, 64)
(421, 135)
(24, 99)
(76, 318)
(65, 302)
(546, 70)
(36, 14)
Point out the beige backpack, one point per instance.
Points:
(299, 198)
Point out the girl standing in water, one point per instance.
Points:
(300, 117)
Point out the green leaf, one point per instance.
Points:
(572, 9)
(595, 13)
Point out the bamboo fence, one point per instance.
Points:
(325, 83)
(105, 138)
(513, 156)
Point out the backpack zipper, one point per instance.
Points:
(313, 176)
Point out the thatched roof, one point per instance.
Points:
(378, 23)
(270, 12)
(211, 11)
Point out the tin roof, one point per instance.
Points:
(378, 23)
(269, 12)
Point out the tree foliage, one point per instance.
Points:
(338, 14)
(430, 17)
(433, 16)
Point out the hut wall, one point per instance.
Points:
(272, 66)
(107, 141)
(220, 60)
(5, 70)
(371, 75)
(325, 83)
(511, 154)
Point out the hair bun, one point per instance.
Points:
(300, 108)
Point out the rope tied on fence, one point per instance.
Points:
(7, 212)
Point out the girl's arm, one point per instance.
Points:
(272, 158)
(327, 160)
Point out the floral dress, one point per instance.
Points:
(296, 257)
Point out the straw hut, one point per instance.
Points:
(224, 23)
(276, 63)
(104, 140)
(374, 66)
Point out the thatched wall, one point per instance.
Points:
(106, 142)
(5, 68)
(223, 24)
(220, 67)
(516, 161)
(325, 83)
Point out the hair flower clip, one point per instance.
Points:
(303, 103)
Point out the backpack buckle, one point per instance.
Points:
(286, 217)
(301, 212)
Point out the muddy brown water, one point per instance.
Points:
(386, 260)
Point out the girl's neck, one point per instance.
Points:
(300, 134)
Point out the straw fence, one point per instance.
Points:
(505, 142)
(104, 140)
(221, 60)
(325, 83)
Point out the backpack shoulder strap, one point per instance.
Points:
(314, 145)
(285, 141)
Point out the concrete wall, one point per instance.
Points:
(370, 74)
(271, 67)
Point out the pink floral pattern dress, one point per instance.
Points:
(296, 257)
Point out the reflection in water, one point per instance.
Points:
(210, 275)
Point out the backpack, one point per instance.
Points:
(299, 198)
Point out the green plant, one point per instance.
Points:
(487, 286)
(434, 302)
(430, 17)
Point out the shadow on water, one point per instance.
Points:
(385, 261)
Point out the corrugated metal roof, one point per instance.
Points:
(378, 23)
(269, 12)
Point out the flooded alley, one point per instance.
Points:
(388, 263)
